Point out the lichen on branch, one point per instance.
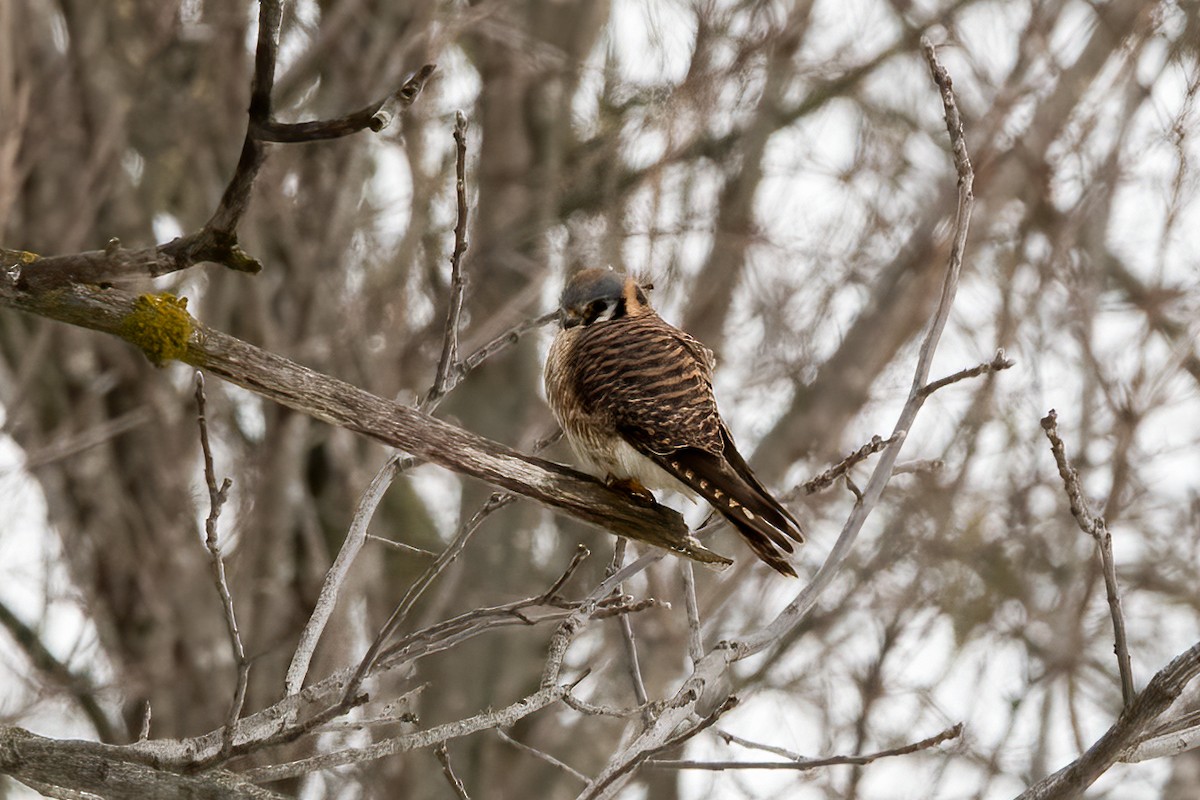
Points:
(160, 325)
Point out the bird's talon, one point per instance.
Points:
(631, 486)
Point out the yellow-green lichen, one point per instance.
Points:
(14, 258)
(160, 325)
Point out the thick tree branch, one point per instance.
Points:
(339, 403)
(106, 771)
(1163, 689)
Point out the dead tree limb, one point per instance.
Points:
(164, 330)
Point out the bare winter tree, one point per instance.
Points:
(245, 245)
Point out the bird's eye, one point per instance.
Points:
(604, 310)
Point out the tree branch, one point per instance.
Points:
(1163, 689)
(447, 372)
(339, 403)
(443, 755)
(711, 670)
(1097, 528)
(216, 499)
(78, 686)
(376, 116)
(803, 764)
(101, 770)
(217, 240)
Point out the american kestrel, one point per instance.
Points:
(634, 396)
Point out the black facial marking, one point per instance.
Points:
(603, 310)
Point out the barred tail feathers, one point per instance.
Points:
(758, 517)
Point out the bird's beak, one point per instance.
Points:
(569, 318)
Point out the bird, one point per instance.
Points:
(634, 397)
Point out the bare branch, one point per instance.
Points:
(1160, 745)
(999, 362)
(627, 638)
(1097, 528)
(356, 536)
(376, 116)
(1135, 719)
(217, 240)
(144, 733)
(402, 546)
(599, 787)
(405, 428)
(799, 764)
(503, 341)
(443, 755)
(446, 372)
(799, 608)
(549, 692)
(216, 499)
(591, 709)
(73, 768)
(731, 738)
(829, 476)
(549, 759)
(695, 637)
(79, 686)
(452, 551)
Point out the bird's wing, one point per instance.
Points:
(652, 381)
(655, 384)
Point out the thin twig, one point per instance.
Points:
(548, 693)
(581, 552)
(544, 756)
(920, 466)
(733, 738)
(494, 503)
(999, 362)
(376, 116)
(503, 341)
(401, 546)
(627, 638)
(356, 536)
(443, 755)
(216, 498)
(830, 476)
(791, 616)
(144, 733)
(594, 710)
(1094, 526)
(695, 637)
(675, 740)
(806, 764)
(446, 369)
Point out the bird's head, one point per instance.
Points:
(600, 295)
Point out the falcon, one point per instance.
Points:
(634, 397)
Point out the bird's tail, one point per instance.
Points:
(729, 485)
